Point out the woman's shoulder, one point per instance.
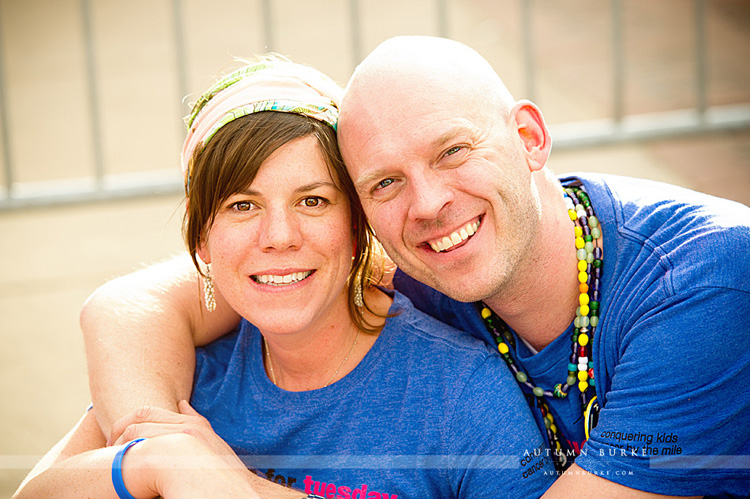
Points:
(420, 332)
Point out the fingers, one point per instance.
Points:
(149, 430)
(145, 414)
(185, 408)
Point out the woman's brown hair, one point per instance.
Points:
(232, 158)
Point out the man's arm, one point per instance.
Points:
(140, 332)
(579, 483)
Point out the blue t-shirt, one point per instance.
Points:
(428, 412)
(671, 355)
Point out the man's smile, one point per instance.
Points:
(455, 238)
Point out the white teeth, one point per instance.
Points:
(455, 238)
(280, 280)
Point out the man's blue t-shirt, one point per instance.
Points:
(671, 355)
(429, 412)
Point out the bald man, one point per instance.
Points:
(618, 304)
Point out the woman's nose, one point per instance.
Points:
(280, 231)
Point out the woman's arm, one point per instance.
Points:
(84, 436)
(173, 465)
(140, 331)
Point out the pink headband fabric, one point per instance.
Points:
(264, 86)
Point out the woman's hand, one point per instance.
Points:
(151, 422)
(180, 465)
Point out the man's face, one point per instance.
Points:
(446, 188)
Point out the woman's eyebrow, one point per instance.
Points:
(303, 188)
(315, 185)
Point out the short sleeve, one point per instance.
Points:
(676, 414)
(497, 448)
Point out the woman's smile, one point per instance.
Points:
(281, 279)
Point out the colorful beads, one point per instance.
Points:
(587, 242)
(559, 393)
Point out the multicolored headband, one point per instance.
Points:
(263, 86)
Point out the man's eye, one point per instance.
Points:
(453, 150)
(384, 183)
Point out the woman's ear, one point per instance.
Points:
(204, 253)
(533, 133)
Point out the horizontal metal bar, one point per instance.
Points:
(565, 136)
(650, 126)
(86, 189)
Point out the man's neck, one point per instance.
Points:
(540, 302)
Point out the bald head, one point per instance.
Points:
(409, 77)
(407, 68)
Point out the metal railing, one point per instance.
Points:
(618, 127)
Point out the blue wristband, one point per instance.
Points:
(117, 480)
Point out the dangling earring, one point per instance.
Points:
(208, 290)
(358, 298)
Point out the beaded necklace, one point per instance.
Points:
(580, 367)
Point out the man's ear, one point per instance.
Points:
(533, 133)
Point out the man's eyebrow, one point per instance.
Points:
(456, 131)
(368, 177)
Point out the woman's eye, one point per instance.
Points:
(242, 206)
(312, 202)
(384, 183)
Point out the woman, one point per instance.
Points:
(330, 384)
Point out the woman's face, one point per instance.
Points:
(281, 251)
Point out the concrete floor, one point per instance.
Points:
(53, 257)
